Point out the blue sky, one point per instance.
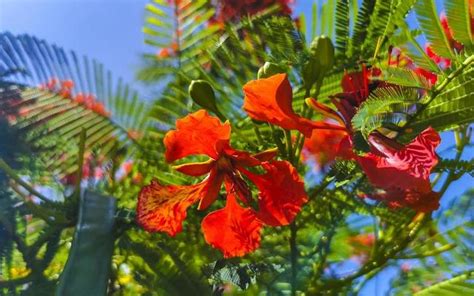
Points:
(107, 30)
(110, 31)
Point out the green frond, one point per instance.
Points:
(403, 77)
(360, 27)
(451, 108)
(385, 105)
(46, 117)
(459, 20)
(428, 18)
(457, 285)
(459, 168)
(342, 27)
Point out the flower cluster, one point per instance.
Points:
(401, 173)
(229, 10)
(65, 88)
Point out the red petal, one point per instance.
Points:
(163, 208)
(282, 193)
(419, 201)
(270, 100)
(325, 145)
(211, 190)
(245, 159)
(196, 168)
(325, 110)
(197, 133)
(266, 155)
(233, 230)
(406, 168)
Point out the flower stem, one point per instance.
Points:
(11, 173)
(289, 145)
(294, 257)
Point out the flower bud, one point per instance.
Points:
(321, 60)
(202, 94)
(269, 69)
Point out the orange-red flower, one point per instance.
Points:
(270, 100)
(324, 146)
(231, 10)
(403, 172)
(361, 245)
(235, 230)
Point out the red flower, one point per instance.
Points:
(361, 244)
(443, 63)
(67, 84)
(403, 172)
(449, 34)
(324, 146)
(356, 87)
(163, 53)
(403, 61)
(233, 229)
(229, 10)
(270, 100)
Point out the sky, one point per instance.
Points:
(107, 30)
(110, 31)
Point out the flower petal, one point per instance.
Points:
(282, 193)
(245, 159)
(325, 110)
(196, 168)
(324, 146)
(266, 155)
(407, 168)
(234, 230)
(419, 201)
(197, 133)
(163, 208)
(211, 189)
(270, 99)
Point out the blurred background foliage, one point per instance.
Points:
(69, 128)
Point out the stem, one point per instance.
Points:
(11, 173)
(429, 253)
(300, 138)
(281, 147)
(289, 145)
(80, 157)
(258, 134)
(294, 257)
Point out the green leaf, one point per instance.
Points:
(427, 16)
(88, 265)
(459, 20)
(391, 105)
(458, 285)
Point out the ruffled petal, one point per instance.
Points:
(234, 230)
(407, 168)
(197, 133)
(282, 193)
(270, 100)
(163, 208)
